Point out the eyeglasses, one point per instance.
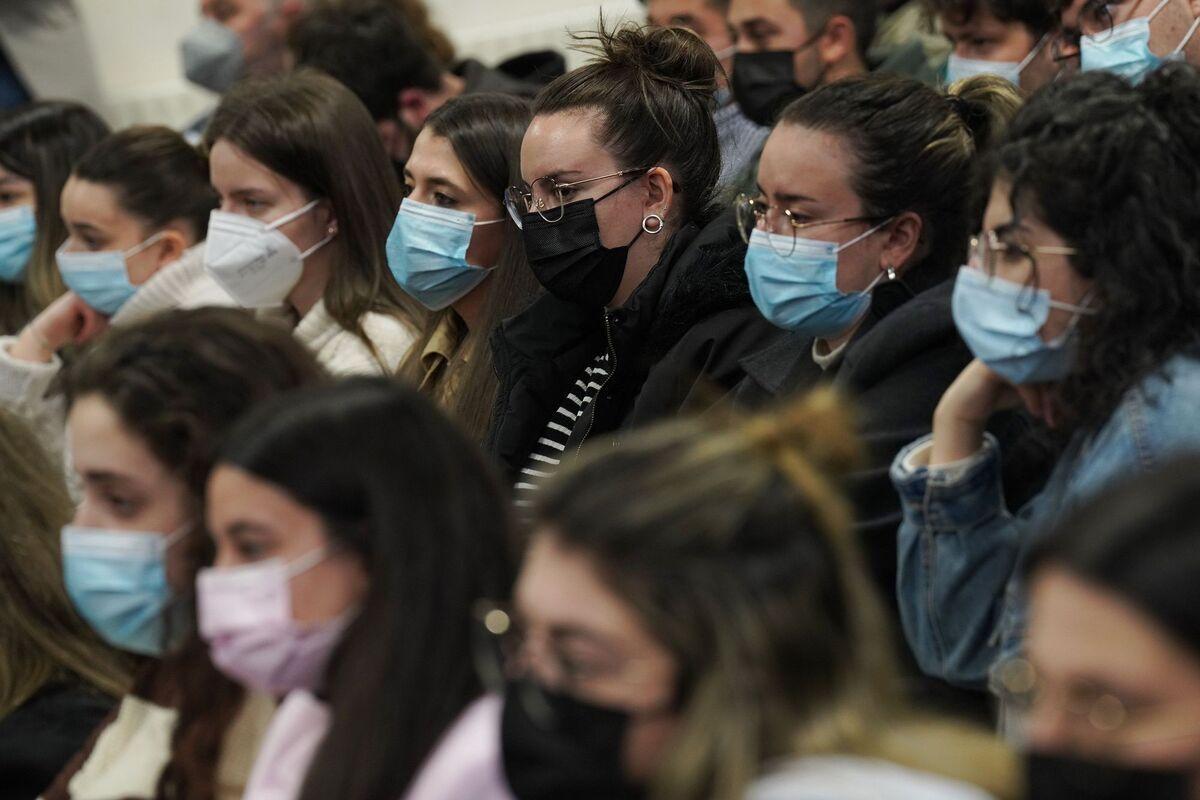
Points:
(1022, 690)
(753, 213)
(548, 197)
(989, 251)
(503, 653)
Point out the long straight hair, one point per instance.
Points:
(313, 131)
(41, 142)
(42, 639)
(399, 488)
(485, 132)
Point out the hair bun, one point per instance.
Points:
(674, 57)
(819, 428)
(985, 104)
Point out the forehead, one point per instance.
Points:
(94, 203)
(100, 441)
(433, 157)
(1078, 628)
(564, 142)
(801, 161)
(232, 169)
(8, 178)
(235, 495)
(777, 11)
(559, 586)
(663, 11)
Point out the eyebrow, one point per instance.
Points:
(562, 173)
(758, 22)
(245, 528)
(786, 198)
(558, 633)
(447, 183)
(10, 179)
(105, 476)
(87, 227)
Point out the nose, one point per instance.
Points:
(1050, 728)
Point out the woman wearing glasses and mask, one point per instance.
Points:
(619, 165)
(863, 216)
(1091, 324)
(1129, 38)
(1108, 688)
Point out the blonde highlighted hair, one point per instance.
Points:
(42, 639)
(731, 539)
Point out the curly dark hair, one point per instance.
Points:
(1114, 169)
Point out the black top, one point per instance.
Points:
(895, 368)
(677, 343)
(39, 738)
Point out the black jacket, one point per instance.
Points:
(39, 738)
(895, 369)
(677, 343)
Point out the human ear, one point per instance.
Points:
(171, 247)
(661, 193)
(903, 243)
(838, 40)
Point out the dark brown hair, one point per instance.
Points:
(179, 382)
(485, 132)
(915, 149)
(44, 639)
(1035, 15)
(41, 142)
(431, 531)
(156, 175)
(654, 89)
(313, 131)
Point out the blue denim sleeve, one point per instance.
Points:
(957, 550)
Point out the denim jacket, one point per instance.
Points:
(961, 600)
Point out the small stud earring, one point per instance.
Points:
(891, 273)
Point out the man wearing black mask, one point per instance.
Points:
(788, 47)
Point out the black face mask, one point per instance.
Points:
(574, 753)
(1053, 777)
(567, 258)
(764, 83)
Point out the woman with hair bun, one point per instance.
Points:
(1080, 304)
(693, 621)
(867, 200)
(646, 297)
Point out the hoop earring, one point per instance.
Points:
(658, 229)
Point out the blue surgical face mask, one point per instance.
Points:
(18, 229)
(118, 583)
(795, 288)
(959, 68)
(1125, 49)
(427, 252)
(101, 279)
(1000, 320)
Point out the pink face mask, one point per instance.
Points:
(245, 615)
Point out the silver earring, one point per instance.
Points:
(891, 273)
(658, 229)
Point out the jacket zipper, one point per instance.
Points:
(612, 369)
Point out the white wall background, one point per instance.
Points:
(137, 57)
